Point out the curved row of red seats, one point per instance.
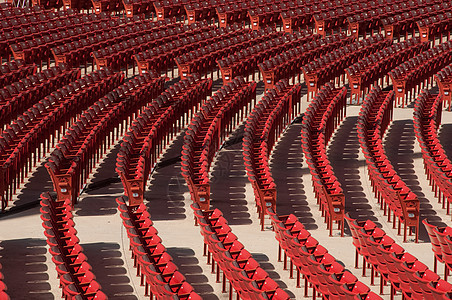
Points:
(57, 20)
(87, 140)
(232, 13)
(9, 11)
(371, 20)
(228, 12)
(302, 16)
(208, 130)
(122, 54)
(272, 13)
(335, 19)
(418, 72)
(244, 273)
(79, 52)
(48, 4)
(131, 7)
(100, 6)
(437, 166)
(296, 15)
(277, 108)
(203, 60)
(444, 80)
(435, 26)
(20, 143)
(14, 71)
(320, 269)
(200, 10)
(441, 240)
(24, 93)
(405, 272)
(22, 17)
(245, 62)
(331, 16)
(138, 7)
(16, 36)
(5, 6)
(36, 45)
(46, 22)
(405, 23)
(170, 8)
(77, 280)
(373, 69)
(155, 266)
(296, 19)
(288, 64)
(204, 137)
(162, 57)
(391, 191)
(323, 115)
(149, 134)
(333, 65)
(139, 152)
(77, 4)
(269, 15)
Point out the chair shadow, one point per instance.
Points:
(108, 266)
(188, 264)
(228, 181)
(25, 268)
(94, 199)
(399, 147)
(165, 192)
(265, 264)
(288, 171)
(343, 153)
(39, 181)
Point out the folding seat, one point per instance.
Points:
(436, 245)
(92, 289)
(85, 279)
(441, 289)
(78, 265)
(177, 281)
(70, 290)
(355, 290)
(153, 280)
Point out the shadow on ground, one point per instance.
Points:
(165, 193)
(25, 269)
(265, 264)
(399, 147)
(108, 266)
(343, 153)
(188, 264)
(228, 182)
(288, 172)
